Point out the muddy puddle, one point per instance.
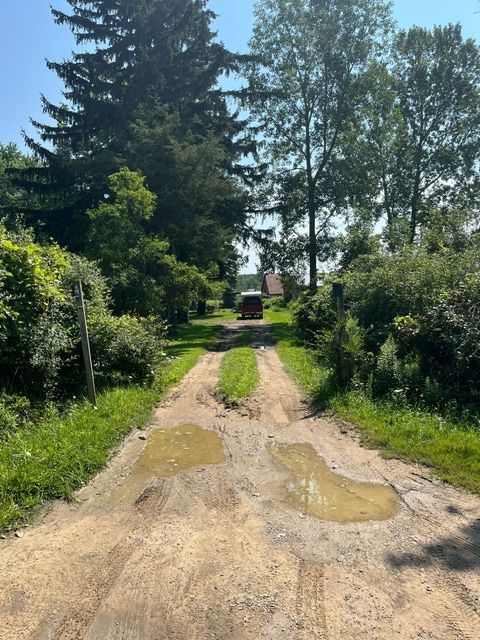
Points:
(167, 452)
(316, 490)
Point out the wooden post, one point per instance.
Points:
(338, 293)
(87, 356)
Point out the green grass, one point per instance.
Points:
(58, 454)
(215, 318)
(299, 363)
(449, 447)
(238, 377)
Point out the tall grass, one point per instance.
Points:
(238, 374)
(58, 454)
(450, 447)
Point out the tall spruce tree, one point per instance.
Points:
(142, 91)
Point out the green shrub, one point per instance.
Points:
(277, 303)
(387, 374)
(313, 315)
(40, 347)
(125, 348)
(343, 349)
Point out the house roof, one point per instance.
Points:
(272, 285)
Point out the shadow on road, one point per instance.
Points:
(460, 552)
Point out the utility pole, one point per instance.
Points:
(87, 356)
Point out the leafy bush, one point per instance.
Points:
(314, 314)
(40, 347)
(344, 350)
(125, 348)
(420, 313)
(387, 374)
(277, 303)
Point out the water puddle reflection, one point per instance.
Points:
(316, 490)
(167, 452)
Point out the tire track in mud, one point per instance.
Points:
(95, 589)
(221, 496)
(154, 497)
(310, 601)
(98, 583)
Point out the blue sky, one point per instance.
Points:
(28, 36)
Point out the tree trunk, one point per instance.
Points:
(312, 249)
(413, 225)
(182, 316)
(202, 307)
(312, 215)
(414, 211)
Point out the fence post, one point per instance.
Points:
(338, 293)
(87, 356)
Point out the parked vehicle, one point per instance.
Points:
(251, 305)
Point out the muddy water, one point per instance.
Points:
(169, 451)
(314, 489)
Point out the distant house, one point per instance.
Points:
(272, 286)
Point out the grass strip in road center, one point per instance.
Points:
(238, 377)
(449, 446)
(54, 456)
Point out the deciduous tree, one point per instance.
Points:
(308, 80)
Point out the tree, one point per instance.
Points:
(311, 57)
(423, 124)
(144, 275)
(12, 196)
(143, 93)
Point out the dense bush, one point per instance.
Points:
(343, 349)
(40, 348)
(314, 314)
(419, 316)
(125, 348)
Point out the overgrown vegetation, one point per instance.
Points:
(43, 457)
(147, 178)
(238, 377)
(40, 350)
(449, 444)
(412, 329)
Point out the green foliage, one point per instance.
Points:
(274, 303)
(343, 349)
(387, 374)
(43, 457)
(422, 140)
(419, 314)
(145, 277)
(307, 77)
(238, 374)
(125, 348)
(248, 282)
(12, 197)
(382, 287)
(314, 314)
(164, 116)
(40, 349)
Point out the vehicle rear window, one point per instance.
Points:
(252, 300)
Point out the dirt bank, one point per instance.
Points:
(217, 551)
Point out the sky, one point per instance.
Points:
(28, 36)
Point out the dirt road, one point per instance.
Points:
(221, 550)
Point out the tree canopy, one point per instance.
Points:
(307, 78)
